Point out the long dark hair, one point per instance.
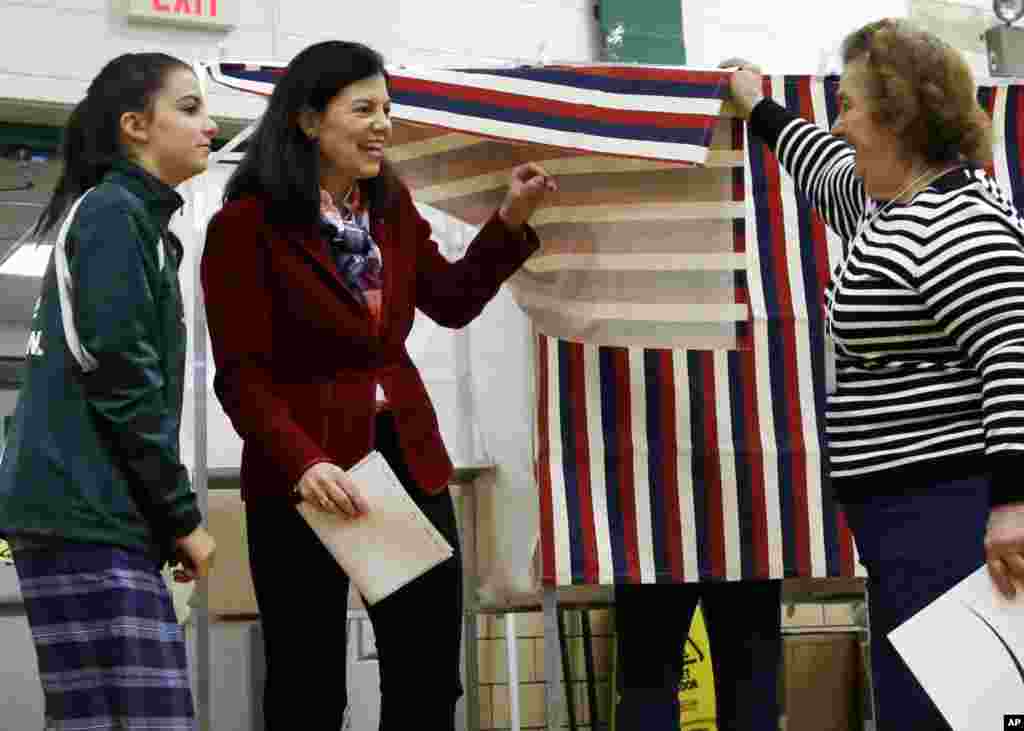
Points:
(281, 164)
(92, 136)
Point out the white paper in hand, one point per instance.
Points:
(388, 547)
(967, 650)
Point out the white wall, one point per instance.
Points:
(803, 36)
(798, 36)
(52, 48)
(13, 339)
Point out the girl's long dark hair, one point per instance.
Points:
(92, 136)
(281, 164)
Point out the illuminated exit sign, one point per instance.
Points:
(211, 14)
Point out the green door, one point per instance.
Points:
(643, 31)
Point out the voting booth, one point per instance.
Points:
(644, 402)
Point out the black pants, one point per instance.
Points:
(916, 546)
(302, 596)
(742, 619)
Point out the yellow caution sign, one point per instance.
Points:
(697, 711)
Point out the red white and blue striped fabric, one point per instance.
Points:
(669, 465)
(703, 460)
(639, 246)
(642, 112)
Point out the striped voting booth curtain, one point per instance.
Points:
(626, 143)
(677, 304)
(687, 463)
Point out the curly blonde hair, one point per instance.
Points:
(923, 89)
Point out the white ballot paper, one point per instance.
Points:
(388, 547)
(966, 649)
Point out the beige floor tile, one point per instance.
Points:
(532, 710)
(840, 613)
(527, 658)
(499, 706)
(603, 656)
(529, 624)
(538, 659)
(486, 712)
(803, 614)
(492, 662)
(601, 622)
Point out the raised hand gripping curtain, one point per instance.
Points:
(668, 464)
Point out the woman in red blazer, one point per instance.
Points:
(311, 273)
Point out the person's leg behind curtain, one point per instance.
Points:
(651, 625)
(743, 621)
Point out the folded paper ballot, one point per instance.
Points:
(966, 649)
(388, 547)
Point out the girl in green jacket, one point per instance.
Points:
(94, 497)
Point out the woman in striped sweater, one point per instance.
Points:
(925, 422)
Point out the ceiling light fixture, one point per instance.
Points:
(28, 260)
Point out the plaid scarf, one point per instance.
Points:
(355, 253)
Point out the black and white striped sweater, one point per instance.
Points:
(928, 316)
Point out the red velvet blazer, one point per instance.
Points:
(298, 359)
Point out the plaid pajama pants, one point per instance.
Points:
(111, 653)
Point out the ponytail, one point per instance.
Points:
(85, 162)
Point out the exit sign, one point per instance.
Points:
(211, 14)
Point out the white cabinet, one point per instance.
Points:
(363, 675)
(21, 696)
